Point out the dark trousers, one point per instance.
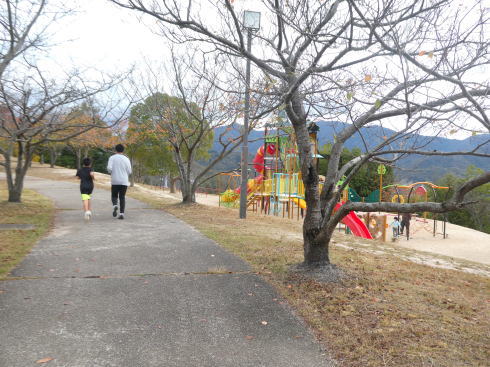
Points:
(405, 226)
(119, 191)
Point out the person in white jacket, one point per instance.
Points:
(119, 167)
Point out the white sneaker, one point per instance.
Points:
(88, 215)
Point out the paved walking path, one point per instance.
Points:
(141, 292)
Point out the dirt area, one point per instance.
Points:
(460, 242)
(463, 249)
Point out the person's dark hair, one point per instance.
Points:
(86, 162)
(396, 218)
(119, 148)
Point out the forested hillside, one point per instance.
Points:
(408, 169)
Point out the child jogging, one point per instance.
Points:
(87, 178)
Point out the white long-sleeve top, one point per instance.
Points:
(119, 167)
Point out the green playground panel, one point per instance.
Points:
(354, 196)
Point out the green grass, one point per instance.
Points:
(34, 209)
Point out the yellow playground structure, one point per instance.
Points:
(277, 187)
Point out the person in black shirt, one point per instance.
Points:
(87, 178)
(406, 217)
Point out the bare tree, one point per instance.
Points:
(417, 67)
(35, 106)
(36, 111)
(187, 119)
(22, 28)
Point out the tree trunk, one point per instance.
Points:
(188, 191)
(53, 157)
(173, 181)
(78, 153)
(10, 179)
(16, 185)
(188, 197)
(15, 195)
(131, 177)
(315, 253)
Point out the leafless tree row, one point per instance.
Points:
(36, 108)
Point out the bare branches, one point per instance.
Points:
(36, 108)
(16, 23)
(202, 101)
(413, 68)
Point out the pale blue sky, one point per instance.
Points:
(103, 36)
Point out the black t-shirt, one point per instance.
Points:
(86, 182)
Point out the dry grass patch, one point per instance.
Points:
(35, 209)
(389, 312)
(397, 313)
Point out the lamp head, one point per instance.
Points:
(251, 20)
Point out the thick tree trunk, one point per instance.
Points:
(188, 192)
(315, 252)
(15, 195)
(188, 197)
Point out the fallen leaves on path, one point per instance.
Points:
(44, 360)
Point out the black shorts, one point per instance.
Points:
(86, 189)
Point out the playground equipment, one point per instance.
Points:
(229, 196)
(279, 186)
(412, 193)
(355, 224)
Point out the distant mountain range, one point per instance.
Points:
(409, 168)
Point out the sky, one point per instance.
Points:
(107, 38)
(104, 36)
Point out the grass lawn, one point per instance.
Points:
(35, 209)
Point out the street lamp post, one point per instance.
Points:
(251, 22)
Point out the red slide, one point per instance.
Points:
(259, 167)
(356, 225)
(259, 157)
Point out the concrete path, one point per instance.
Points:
(141, 292)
